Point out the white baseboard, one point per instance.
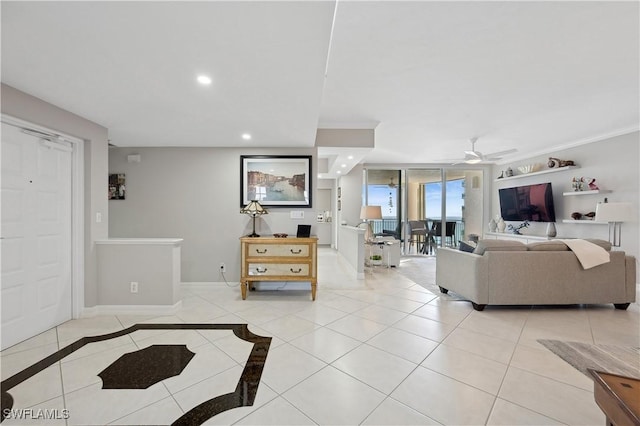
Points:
(159, 310)
(260, 285)
(208, 284)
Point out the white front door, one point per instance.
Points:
(36, 235)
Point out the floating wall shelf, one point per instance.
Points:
(541, 172)
(583, 222)
(591, 192)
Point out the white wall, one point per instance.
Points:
(351, 190)
(614, 164)
(194, 194)
(29, 108)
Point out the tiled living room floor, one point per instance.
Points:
(383, 350)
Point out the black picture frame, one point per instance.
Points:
(276, 180)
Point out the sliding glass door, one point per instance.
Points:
(426, 208)
(382, 188)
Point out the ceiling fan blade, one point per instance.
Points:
(500, 153)
(473, 154)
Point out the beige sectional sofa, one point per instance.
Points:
(501, 272)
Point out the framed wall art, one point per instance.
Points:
(276, 180)
(117, 190)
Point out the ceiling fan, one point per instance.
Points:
(474, 157)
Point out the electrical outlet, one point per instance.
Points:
(134, 286)
(223, 267)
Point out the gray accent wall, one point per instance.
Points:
(194, 194)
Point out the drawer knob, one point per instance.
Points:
(296, 252)
(261, 252)
(261, 270)
(296, 272)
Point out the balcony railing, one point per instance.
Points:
(392, 224)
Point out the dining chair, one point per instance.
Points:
(450, 232)
(418, 234)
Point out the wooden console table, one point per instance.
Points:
(618, 397)
(278, 259)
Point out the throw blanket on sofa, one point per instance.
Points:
(589, 254)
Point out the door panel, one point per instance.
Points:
(36, 236)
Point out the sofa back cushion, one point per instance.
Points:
(602, 243)
(499, 245)
(552, 245)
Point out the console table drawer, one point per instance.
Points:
(278, 250)
(279, 269)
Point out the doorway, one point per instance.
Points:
(37, 246)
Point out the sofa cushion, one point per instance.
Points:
(553, 245)
(602, 243)
(499, 245)
(468, 247)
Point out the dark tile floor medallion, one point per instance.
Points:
(158, 362)
(146, 367)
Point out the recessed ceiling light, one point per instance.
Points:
(246, 136)
(343, 166)
(204, 80)
(350, 157)
(339, 172)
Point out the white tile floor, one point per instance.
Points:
(383, 350)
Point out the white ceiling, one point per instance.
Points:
(426, 75)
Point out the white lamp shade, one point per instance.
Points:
(614, 212)
(371, 212)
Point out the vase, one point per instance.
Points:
(492, 225)
(501, 225)
(551, 230)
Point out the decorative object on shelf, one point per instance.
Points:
(577, 183)
(556, 162)
(492, 225)
(367, 213)
(501, 225)
(509, 172)
(516, 229)
(254, 209)
(585, 216)
(584, 183)
(614, 214)
(530, 168)
(551, 230)
(501, 175)
(280, 235)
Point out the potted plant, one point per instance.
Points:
(376, 259)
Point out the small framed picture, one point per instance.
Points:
(117, 189)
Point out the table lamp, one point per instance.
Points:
(614, 214)
(367, 213)
(254, 209)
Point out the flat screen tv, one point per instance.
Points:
(530, 202)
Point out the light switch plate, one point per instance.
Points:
(297, 214)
